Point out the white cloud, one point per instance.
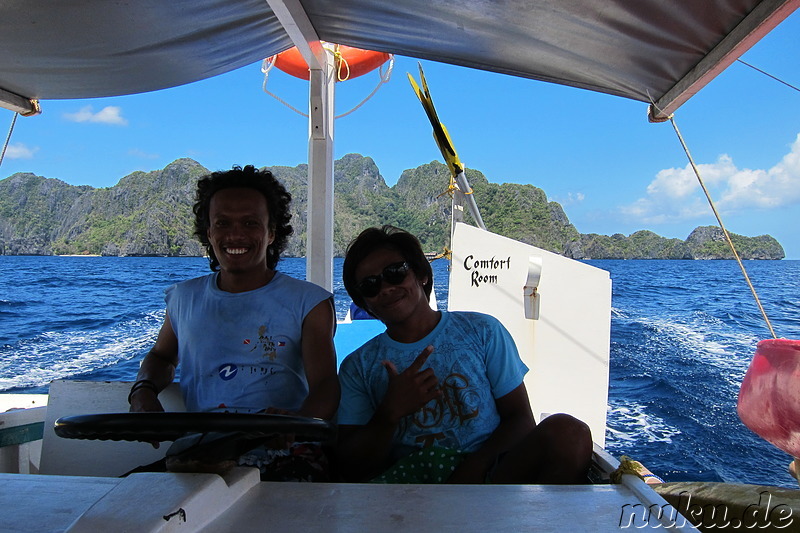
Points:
(108, 115)
(681, 182)
(20, 151)
(675, 195)
(572, 198)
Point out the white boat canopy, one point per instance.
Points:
(647, 50)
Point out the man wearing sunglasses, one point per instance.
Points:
(439, 397)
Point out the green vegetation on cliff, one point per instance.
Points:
(149, 213)
(640, 245)
(708, 242)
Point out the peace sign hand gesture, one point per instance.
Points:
(410, 389)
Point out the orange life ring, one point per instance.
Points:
(349, 62)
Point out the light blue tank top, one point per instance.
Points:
(241, 352)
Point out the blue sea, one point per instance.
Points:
(682, 336)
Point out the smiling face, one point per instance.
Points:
(239, 231)
(394, 304)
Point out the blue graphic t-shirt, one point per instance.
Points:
(475, 360)
(241, 352)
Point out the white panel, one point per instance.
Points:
(567, 346)
(77, 457)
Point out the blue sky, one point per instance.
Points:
(595, 154)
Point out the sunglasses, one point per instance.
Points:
(393, 274)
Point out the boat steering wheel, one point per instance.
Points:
(159, 427)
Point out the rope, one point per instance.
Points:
(339, 60)
(383, 78)
(446, 253)
(266, 66)
(722, 226)
(8, 138)
(451, 189)
(633, 468)
(269, 63)
(627, 466)
(768, 74)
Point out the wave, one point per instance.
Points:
(695, 337)
(53, 355)
(630, 422)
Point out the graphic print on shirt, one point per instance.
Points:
(266, 344)
(227, 371)
(458, 404)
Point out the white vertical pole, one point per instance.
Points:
(319, 235)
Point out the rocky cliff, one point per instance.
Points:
(149, 213)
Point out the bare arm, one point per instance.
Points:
(516, 422)
(364, 451)
(158, 367)
(319, 361)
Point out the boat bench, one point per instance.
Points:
(79, 457)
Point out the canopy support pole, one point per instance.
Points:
(26, 107)
(319, 231)
(319, 235)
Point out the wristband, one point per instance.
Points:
(142, 384)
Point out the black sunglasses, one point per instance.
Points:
(393, 274)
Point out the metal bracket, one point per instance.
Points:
(530, 294)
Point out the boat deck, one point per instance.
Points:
(240, 502)
(58, 500)
(362, 507)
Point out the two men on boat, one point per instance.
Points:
(437, 388)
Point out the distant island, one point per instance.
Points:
(149, 214)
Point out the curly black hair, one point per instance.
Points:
(278, 200)
(387, 237)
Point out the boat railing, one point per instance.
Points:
(21, 429)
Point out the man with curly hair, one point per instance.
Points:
(247, 337)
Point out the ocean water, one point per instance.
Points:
(682, 336)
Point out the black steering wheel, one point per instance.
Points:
(158, 427)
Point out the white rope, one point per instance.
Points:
(722, 226)
(266, 66)
(384, 78)
(8, 138)
(269, 63)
